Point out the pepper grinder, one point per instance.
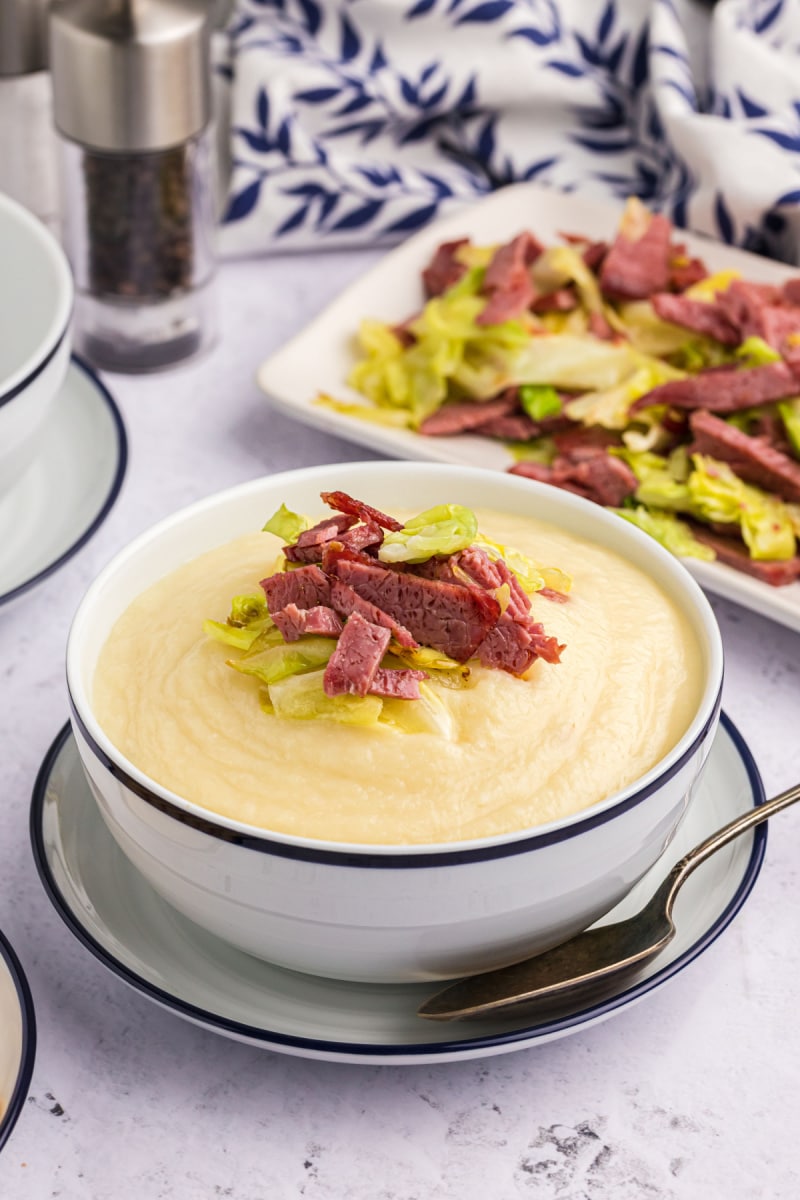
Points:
(132, 103)
(27, 146)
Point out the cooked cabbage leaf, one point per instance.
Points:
(445, 529)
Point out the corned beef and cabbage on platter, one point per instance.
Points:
(364, 610)
(624, 372)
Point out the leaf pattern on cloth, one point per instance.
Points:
(356, 122)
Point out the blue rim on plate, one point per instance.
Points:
(525, 1035)
(20, 1093)
(108, 501)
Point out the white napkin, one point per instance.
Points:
(358, 121)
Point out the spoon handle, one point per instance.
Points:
(755, 816)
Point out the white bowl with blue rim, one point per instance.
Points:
(36, 299)
(385, 913)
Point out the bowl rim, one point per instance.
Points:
(27, 1056)
(58, 328)
(311, 849)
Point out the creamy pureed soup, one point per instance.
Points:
(522, 751)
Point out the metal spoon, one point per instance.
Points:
(589, 965)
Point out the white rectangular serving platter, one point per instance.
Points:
(319, 358)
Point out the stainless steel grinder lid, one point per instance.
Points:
(130, 75)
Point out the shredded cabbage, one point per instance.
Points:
(286, 525)
(790, 415)
(303, 698)
(445, 529)
(673, 534)
(717, 494)
(289, 658)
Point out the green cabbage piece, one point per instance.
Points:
(573, 362)
(559, 266)
(450, 350)
(429, 714)
(542, 450)
(231, 635)
(540, 401)
(289, 658)
(610, 407)
(249, 610)
(395, 418)
(302, 698)
(755, 352)
(645, 330)
(717, 494)
(790, 415)
(445, 529)
(674, 534)
(286, 525)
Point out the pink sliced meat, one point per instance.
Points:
(780, 328)
(753, 459)
(561, 300)
(467, 415)
(507, 281)
(706, 318)
(446, 616)
(776, 572)
(444, 269)
(400, 684)
(357, 508)
(352, 667)
(346, 601)
(308, 547)
(635, 268)
(601, 477)
(293, 622)
(685, 271)
(512, 646)
(599, 326)
(743, 304)
(725, 390)
(362, 537)
(306, 587)
(515, 428)
(551, 594)
(791, 290)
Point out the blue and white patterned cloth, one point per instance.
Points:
(358, 121)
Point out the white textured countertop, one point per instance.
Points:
(692, 1093)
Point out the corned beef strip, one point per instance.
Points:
(599, 326)
(696, 315)
(683, 270)
(444, 269)
(508, 282)
(734, 553)
(600, 477)
(513, 646)
(780, 328)
(515, 428)
(791, 290)
(306, 587)
(726, 389)
(448, 617)
(638, 262)
(561, 300)
(352, 666)
(743, 303)
(362, 537)
(752, 458)
(357, 508)
(293, 622)
(466, 415)
(308, 547)
(346, 601)
(401, 684)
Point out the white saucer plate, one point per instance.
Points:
(116, 915)
(319, 358)
(17, 1039)
(69, 489)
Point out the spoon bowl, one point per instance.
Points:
(589, 965)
